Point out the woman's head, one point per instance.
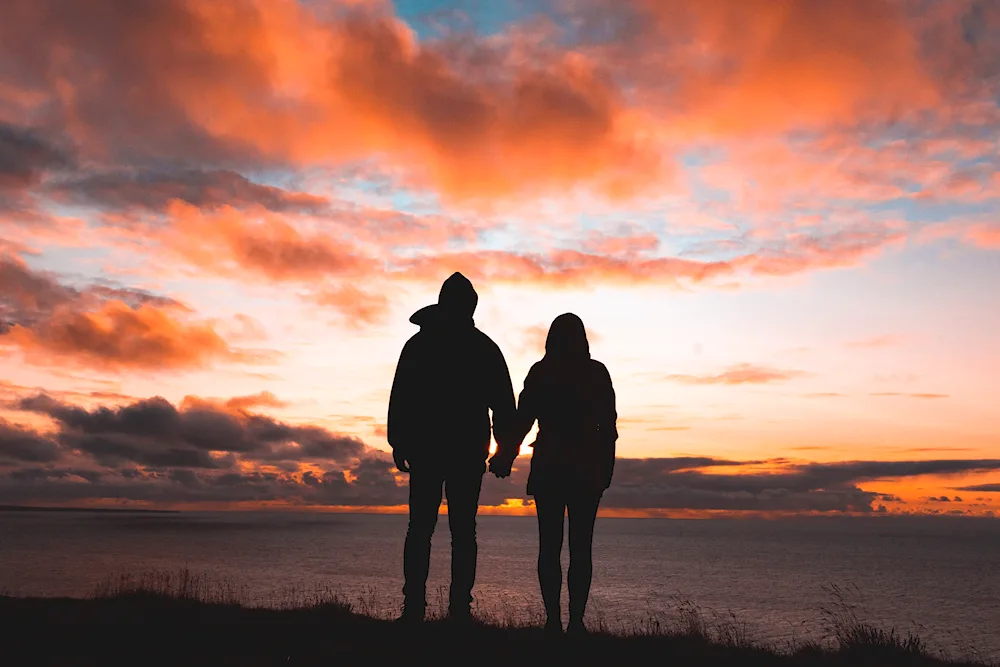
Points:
(567, 339)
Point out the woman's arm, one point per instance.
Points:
(607, 424)
(527, 405)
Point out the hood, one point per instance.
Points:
(567, 339)
(456, 304)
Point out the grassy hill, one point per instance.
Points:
(131, 625)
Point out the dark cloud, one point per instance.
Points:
(989, 488)
(54, 473)
(25, 155)
(644, 470)
(154, 432)
(869, 470)
(660, 483)
(174, 486)
(675, 484)
(810, 487)
(133, 297)
(20, 444)
(684, 483)
(688, 483)
(28, 296)
(688, 495)
(154, 190)
(199, 451)
(213, 451)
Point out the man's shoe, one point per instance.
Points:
(576, 628)
(411, 616)
(553, 627)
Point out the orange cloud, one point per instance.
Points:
(763, 66)
(259, 242)
(740, 374)
(625, 244)
(121, 337)
(103, 326)
(272, 80)
(501, 126)
(330, 261)
(909, 395)
(263, 399)
(265, 82)
(793, 253)
(356, 305)
(985, 236)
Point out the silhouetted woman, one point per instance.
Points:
(571, 396)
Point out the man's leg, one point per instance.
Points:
(582, 514)
(425, 499)
(551, 511)
(462, 489)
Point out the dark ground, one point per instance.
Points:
(149, 629)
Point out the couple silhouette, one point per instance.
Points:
(449, 377)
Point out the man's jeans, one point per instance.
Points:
(461, 487)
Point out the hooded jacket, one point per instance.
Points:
(449, 375)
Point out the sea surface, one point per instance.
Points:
(937, 578)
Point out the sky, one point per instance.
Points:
(778, 219)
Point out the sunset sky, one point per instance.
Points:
(779, 220)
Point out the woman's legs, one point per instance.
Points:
(582, 514)
(551, 510)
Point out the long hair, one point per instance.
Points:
(567, 339)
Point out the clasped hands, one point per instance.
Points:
(501, 465)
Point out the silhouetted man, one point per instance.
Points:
(449, 375)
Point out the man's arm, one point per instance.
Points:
(503, 407)
(400, 423)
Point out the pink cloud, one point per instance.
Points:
(739, 374)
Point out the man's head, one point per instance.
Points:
(457, 296)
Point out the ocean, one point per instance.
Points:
(938, 578)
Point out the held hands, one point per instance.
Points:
(501, 466)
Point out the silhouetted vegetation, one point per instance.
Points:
(184, 618)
